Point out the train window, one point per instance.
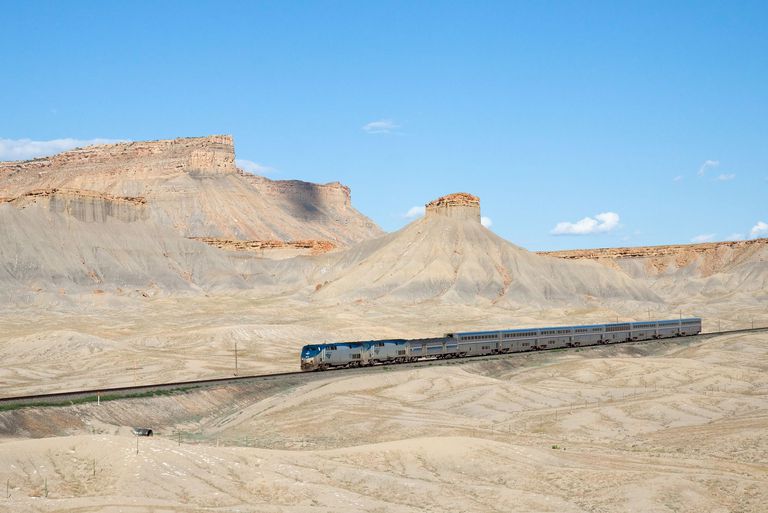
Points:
(331, 348)
(380, 344)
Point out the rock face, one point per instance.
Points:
(460, 205)
(274, 249)
(192, 186)
(83, 205)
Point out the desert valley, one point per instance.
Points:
(149, 262)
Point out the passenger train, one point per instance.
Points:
(459, 345)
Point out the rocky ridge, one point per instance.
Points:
(271, 248)
(48, 193)
(708, 258)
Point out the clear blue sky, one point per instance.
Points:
(549, 111)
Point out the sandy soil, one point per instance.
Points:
(108, 341)
(668, 427)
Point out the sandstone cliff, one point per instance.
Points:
(192, 186)
(460, 205)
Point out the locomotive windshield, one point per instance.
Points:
(309, 351)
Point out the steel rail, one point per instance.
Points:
(136, 391)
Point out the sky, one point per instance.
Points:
(578, 124)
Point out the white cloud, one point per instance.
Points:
(704, 237)
(706, 165)
(486, 221)
(415, 212)
(735, 236)
(381, 126)
(601, 223)
(253, 167)
(23, 149)
(678, 178)
(725, 177)
(759, 230)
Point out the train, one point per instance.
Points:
(481, 343)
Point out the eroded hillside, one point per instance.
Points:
(681, 272)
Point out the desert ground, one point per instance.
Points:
(97, 341)
(106, 280)
(671, 426)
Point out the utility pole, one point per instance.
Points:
(235, 358)
(134, 367)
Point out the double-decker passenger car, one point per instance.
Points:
(458, 345)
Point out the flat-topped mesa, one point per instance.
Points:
(460, 205)
(191, 185)
(211, 155)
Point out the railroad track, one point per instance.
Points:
(138, 391)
